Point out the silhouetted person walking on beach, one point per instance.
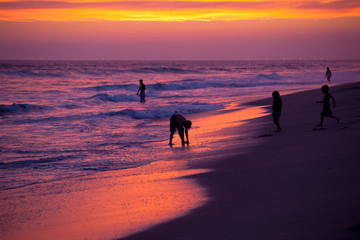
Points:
(141, 90)
(179, 122)
(328, 74)
(276, 109)
(326, 111)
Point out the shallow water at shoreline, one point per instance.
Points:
(104, 206)
(114, 204)
(71, 144)
(64, 119)
(291, 185)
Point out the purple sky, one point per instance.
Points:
(37, 37)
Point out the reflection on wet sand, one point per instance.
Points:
(100, 207)
(214, 128)
(114, 204)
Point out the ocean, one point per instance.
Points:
(65, 119)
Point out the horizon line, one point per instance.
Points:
(244, 59)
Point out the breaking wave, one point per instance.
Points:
(112, 87)
(189, 84)
(272, 76)
(164, 111)
(32, 162)
(116, 98)
(33, 74)
(162, 70)
(20, 108)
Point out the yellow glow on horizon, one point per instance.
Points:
(170, 10)
(200, 15)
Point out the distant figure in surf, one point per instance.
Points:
(179, 122)
(326, 111)
(276, 109)
(141, 90)
(328, 74)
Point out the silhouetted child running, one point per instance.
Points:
(179, 122)
(326, 111)
(141, 90)
(276, 109)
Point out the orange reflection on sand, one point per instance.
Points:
(215, 123)
(104, 206)
(208, 130)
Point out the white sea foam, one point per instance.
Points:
(115, 98)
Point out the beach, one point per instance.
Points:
(301, 183)
(96, 97)
(82, 158)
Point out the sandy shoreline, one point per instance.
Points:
(114, 204)
(302, 183)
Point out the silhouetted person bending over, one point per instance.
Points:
(276, 109)
(326, 111)
(328, 74)
(141, 90)
(179, 122)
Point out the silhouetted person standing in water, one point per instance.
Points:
(326, 111)
(179, 122)
(276, 109)
(141, 90)
(328, 74)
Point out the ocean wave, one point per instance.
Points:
(204, 84)
(137, 114)
(32, 162)
(116, 98)
(112, 87)
(20, 108)
(155, 86)
(165, 111)
(189, 84)
(178, 85)
(220, 69)
(28, 73)
(106, 72)
(95, 72)
(162, 70)
(69, 106)
(272, 76)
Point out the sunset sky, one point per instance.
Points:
(180, 29)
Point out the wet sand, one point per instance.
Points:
(101, 206)
(115, 204)
(301, 183)
(252, 183)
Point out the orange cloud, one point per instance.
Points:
(179, 10)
